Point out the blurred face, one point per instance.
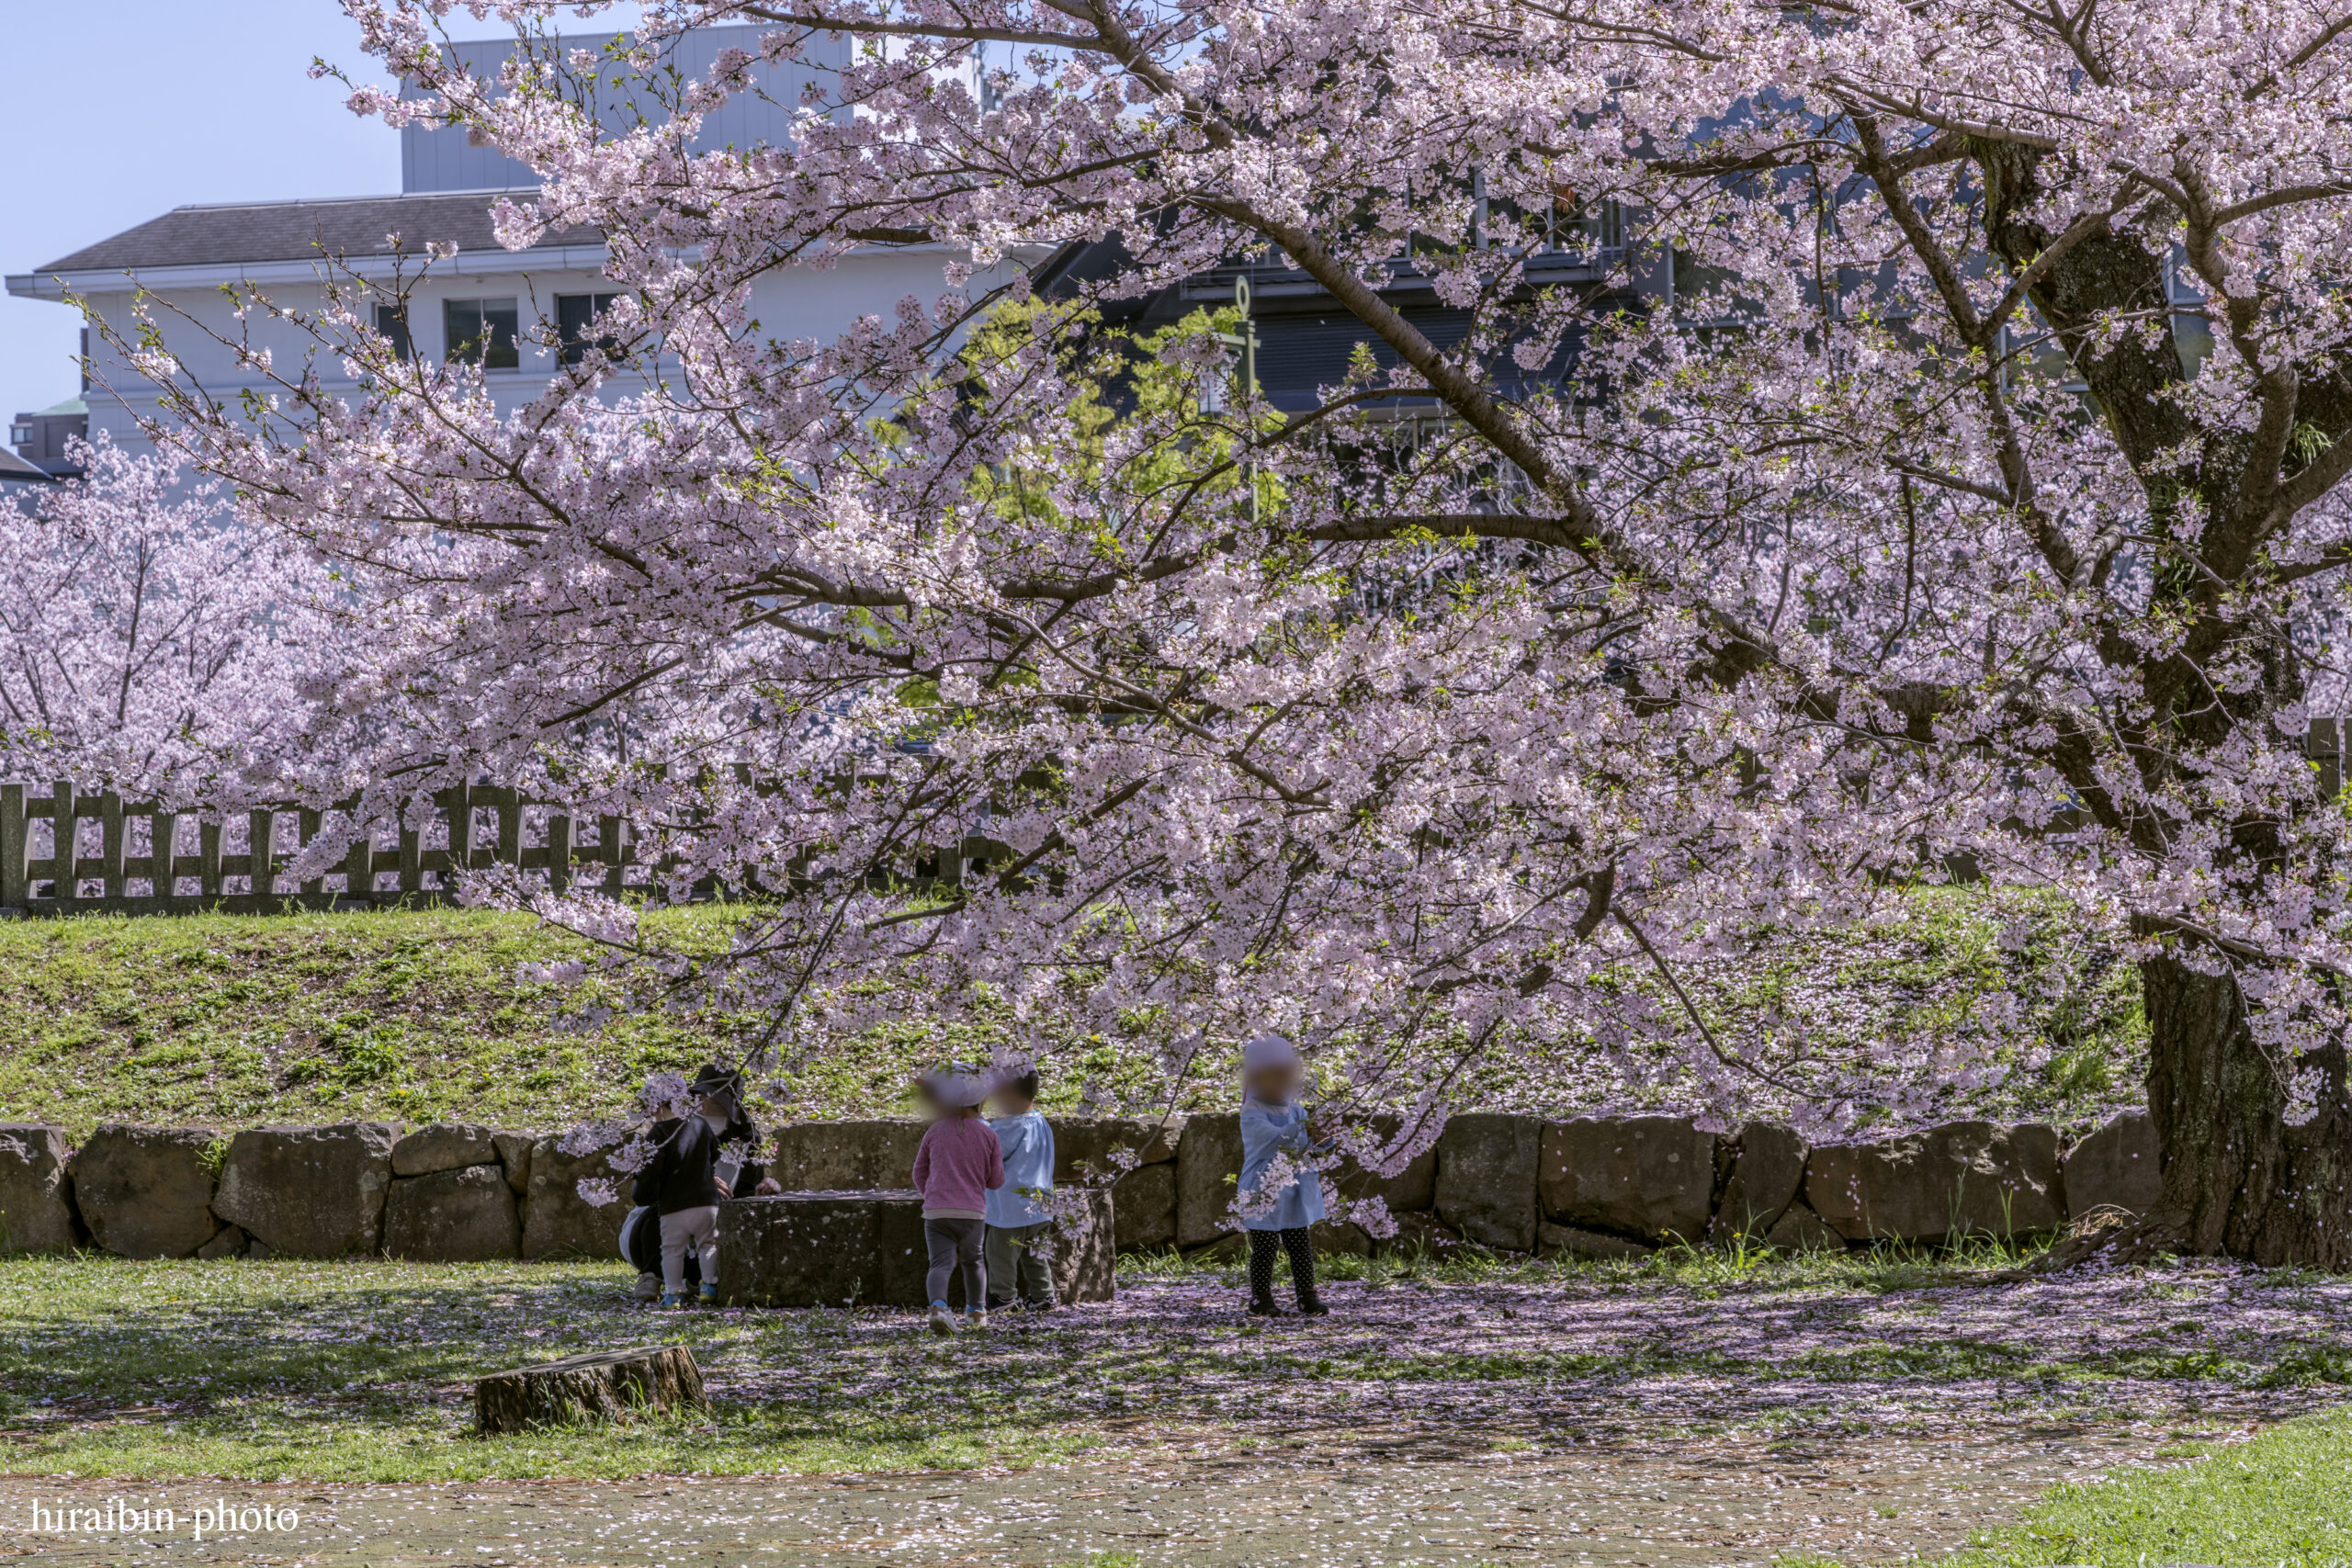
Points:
(719, 1106)
(1276, 1086)
(1010, 1102)
(928, 1098)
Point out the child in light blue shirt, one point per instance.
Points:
(1017, 1219)
(1274, 1124)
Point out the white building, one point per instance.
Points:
(502, 304)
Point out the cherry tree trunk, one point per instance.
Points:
(2238, 1182)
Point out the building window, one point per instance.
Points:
(391, 326)
(483, 330)
(575, 314)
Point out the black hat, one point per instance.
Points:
(716, 1079)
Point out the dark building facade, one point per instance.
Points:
(41, 439)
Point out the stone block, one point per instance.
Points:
(147, 1191)
(35, 1195)
(1413, 1187)
(1233, 1246)
(227, 1242)
(515, 1158)
(558, 1222)
(1962, 1178)
(1144, 1204)
(2118, 1167)
(1650, 1176)
(445, 1145)
(1767, 1167)
(461, 1215)
(1799, 1229)
(1420, 1231)
(1570, 1241)
(1083, 1145)
(1485, 1186)
(846, 1156)
(308, 1191)
(830, 1250)
(1083, 1248)
(1208, 1166)
(1339, 1238)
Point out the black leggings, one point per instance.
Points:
(1301, 1248)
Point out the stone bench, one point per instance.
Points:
(865, 1248)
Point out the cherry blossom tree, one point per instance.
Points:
(149, 643)
(1945, 470)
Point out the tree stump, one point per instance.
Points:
(604, 1385)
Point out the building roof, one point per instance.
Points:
(304, 231)
(65, 409)
(17, 469)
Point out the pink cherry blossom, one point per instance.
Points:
(1774, 476)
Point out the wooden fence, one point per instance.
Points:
(142, 863)
(239, 861)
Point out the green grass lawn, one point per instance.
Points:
(419, 1015)
(2284, 1498)
(362, 1369)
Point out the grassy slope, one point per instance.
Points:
(233, 1021)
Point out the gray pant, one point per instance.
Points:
(1015, 1265)
(689, 1230)
(949, 1243)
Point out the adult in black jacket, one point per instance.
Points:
(697, 1160)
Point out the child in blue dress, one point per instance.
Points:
(1274, 1123)
(1018, 1222)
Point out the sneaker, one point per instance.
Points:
(1312, 1306)
(943, 1322)
(976, 1320)
(672, 1302)
(1005, 1306)
(1263, 1306)
(649, 1287)
(1036, 1306)
(709, 1296)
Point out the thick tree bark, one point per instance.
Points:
(2238, 1182)
(604, 1385)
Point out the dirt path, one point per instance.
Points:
(1707, 1501)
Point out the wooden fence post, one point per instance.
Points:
(306, 828)
(608, 841)
(163, 851)
(412, 858)
(458, 805)
(510, 831)
(110, 843)
(359, 868)
(261, 833)
(208, 857)
(65, 833)
(16, 850)
(558, 853)
(2323, 744)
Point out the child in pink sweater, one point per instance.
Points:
(958, 1164)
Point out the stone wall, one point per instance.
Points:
(1591, 1186)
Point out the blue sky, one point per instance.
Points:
(117, 110)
